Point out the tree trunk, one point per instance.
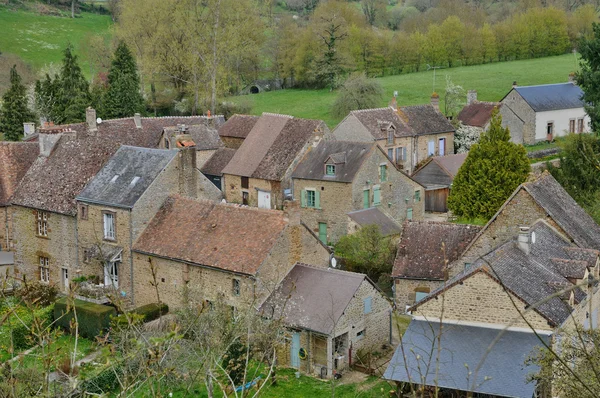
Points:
(73, 8)
(153, 93)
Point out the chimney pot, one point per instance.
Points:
(515, 85)
(137, 118)
(90, 118)
(435, 101)
(471, 96)
(394, 104)
(524, 240)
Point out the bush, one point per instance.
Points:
(93, 318)
(22, 337)
(228, 109)
(37, 293)
(151, 311)
(358, 92)
(103, 381)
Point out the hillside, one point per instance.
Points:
(492, 82)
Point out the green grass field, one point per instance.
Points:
(40, 40)
(492, 82)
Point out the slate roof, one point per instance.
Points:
(348, 158)
(407, 121)
(503, 371)
(451, 163)
(373, 215)
(226, 237)
(425, 246)
(53, 182)
(313, 298)
(477, 113)
(204, 136)
(550, 97)
(238, 126)
(126, 176)
(531, 277)
(271, 147)
(15, 160)
(217, 162)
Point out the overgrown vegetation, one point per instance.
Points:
(358, 92)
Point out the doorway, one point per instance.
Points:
(442, 146)
(64, 277)
(264, 200)
(294, 350)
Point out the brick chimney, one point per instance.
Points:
(188, 173)
(393, 104)
(515, 85)
(471, 96)
(524, 240)
(90, 119)
(137, 118)
(291, 209)
(435, 101)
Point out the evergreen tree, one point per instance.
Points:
(493, 169)
(589, 76)
(123, 97)
(14, 111)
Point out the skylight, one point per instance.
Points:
(114, 178)
(134, 181)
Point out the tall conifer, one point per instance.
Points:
(123, 97)
(14, 111)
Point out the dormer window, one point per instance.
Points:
(330, 169)
(390, 137)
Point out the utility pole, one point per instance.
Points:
(434, 68)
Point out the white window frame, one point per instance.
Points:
(109, 226)
(42, 223)
(44, 269)
(111, 274)
(312, 205)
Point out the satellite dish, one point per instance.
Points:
(99, 120)
(333, 261)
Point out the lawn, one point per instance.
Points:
(492, 82)
(60, 349)
(40, 40)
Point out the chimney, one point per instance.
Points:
(435, 101)
(137, 118)
(471, 96)
(524, 240)
(572, 78)
(28, 129)
(515, 85)
(47, 139)
(394, 104)
(292, 212)
(90, 118)
(188, 177)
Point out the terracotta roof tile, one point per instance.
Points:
(478, 113)
(238, 126)
(15, 159)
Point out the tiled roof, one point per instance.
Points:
(477, 113)
(238, 126)
(313, 298)
(53, 182)
(374, 216)
(204, 136)
(470, 358)
(126, 176)
(217, 162)
(348, 158)
(451, 163)
(227, 237)
(376, 120)
(550, 97)
(425, 119)
(425, 246)
(15, 160)
(271, 147)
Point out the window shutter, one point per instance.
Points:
(376, 196)
(303, 198)
(367, 305)
(317, 199)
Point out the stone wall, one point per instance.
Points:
(518, 105)
(232, 189)
(514, 124)
(5, 228)
(479, 298)
(405, 290)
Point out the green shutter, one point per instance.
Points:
(366, 203)
(303, 198)
(409, 214)
(376, 196)
(317, 200)
(323, 232)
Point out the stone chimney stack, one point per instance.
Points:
(137, 118)
(515, 85)
(471, 96)
(188, 173)
(435, 101)
(394, 104)
(48, 136)
(524, 240)
(90, 118)
(292, 212)
(572, 78)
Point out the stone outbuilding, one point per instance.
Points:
(407, 134)
(213, 168)
(204, 137)
(197, 251)
(338, 177)
(332, 317)
(235, 130)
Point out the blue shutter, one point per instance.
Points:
(317, 199)
(367, 305)
(303, 198)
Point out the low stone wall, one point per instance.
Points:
(542, 153)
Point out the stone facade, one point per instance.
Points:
(5, 228)
(521, 108)
(405, 290)
(234, 193)
(479, 298)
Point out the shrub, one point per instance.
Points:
(22, 336)
(228, 109)
(358, 92)
(37, 293)
(103, 381)
(93, 318)
(151, 311)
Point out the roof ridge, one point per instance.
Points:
(276, 114)
(357, 275)
(371, 109)
(542, 85)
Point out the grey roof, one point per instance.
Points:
(217, 162)
(126, 176)
(503, 371)
(7, 258)
(439, 171)
(313, 298)
(550, 97)
(205, 137)
(373, 215)
(348, 158)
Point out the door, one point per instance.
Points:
(366, 202)
(442, 146)
(111, 274)
(323, 232)
(294, 358)
(431, 148)
(65, 278)
(264, 200)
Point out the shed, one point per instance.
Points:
(437, 176)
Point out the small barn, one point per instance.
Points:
(437, 176)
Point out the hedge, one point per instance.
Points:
(151, 311)
(21, 335)
(93, 318)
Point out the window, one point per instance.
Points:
(111, 274)
(330, 170)
(83, 212)
(376, 196)
(391, 154)
(420, 296)
(87, 256)
(245, 182)
(390, 137)
(431, 148)
(109, 226)
(42, 223)
(367, 304)
(418, 195)
(44, 270)
(245, 196)
(366, 199)
(360, 335)
(311, 198)
(550, 128)
(572, 126)
(400, 154)
(580, 125)
(383, 173)
(235, 287)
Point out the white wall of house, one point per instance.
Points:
(561, 119)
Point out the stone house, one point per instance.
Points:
(235, 130)
(213, 167)
(548, 111)
(424, 251)
(332, 317)
(437, 175)
(204, 137)
(408, 134)
(259, 173)
(338, 177)
(478, 114)
(542, 198)
(44, 209)
(119, 202)
(219, 252)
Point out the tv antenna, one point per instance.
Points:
(434, 68)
